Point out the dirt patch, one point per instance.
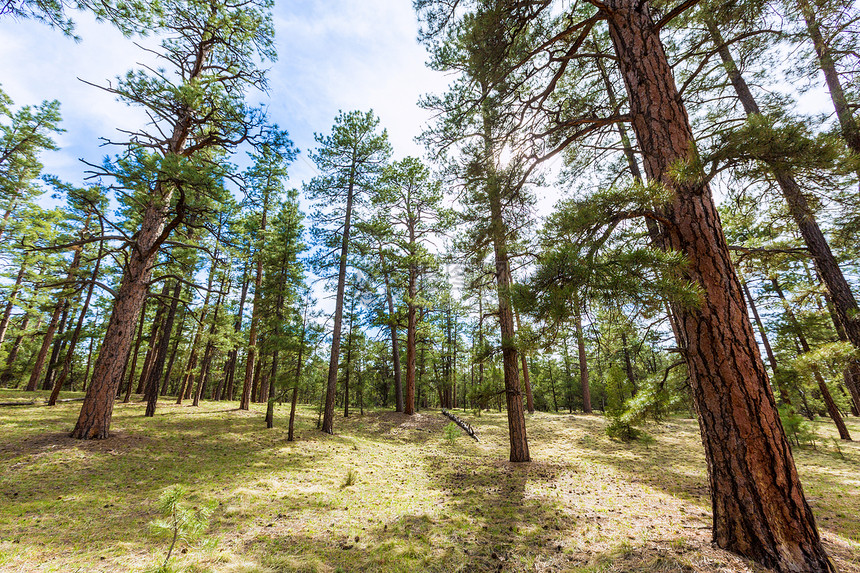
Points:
(40, 445)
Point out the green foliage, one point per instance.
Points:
(451, 433)
(621, 429)
(349, 479)
(797, 429)
(179, 522)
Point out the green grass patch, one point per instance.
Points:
(388, 492)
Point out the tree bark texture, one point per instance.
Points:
(97, 409)
(759, 509)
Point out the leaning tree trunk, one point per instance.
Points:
(53, 324)
(828, 269)
(783, 390)
(95, 417)
(847, 123)
(832, 410)
(759, 509)
(46, 345)
(6, 376)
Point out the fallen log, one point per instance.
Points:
(462, 423)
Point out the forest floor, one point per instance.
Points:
(417, 502)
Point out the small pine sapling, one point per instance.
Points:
(179, 522)
(452, 431)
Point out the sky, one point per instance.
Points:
(333, 55)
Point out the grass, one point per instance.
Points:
(386, 493)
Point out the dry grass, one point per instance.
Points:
(415, 503)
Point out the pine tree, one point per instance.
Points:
(350, 160)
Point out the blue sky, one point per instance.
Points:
(333, 55)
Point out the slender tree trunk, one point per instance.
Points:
(519, 451)
(134, 355)
(783, 390)
(395, 343)
(826, 265)
(583, 359)
(851, 375)
(552, 386)
(569, 375)
(6, 377)
(59, 345)
(331, 388)
(89, 363)
(530, 402)
(165, 387)
(628, 363)
(758, 503)
(847, 122)
(46, 344)
(161, 353)
(248, 393)
(298, 375)
(411, 340)
(7, 313)
(832, 410)
(73, 343)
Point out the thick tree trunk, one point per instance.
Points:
(96, 412)
(583, 360)
(759, 509)
(334, 359)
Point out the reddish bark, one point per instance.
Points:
(759, 509)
